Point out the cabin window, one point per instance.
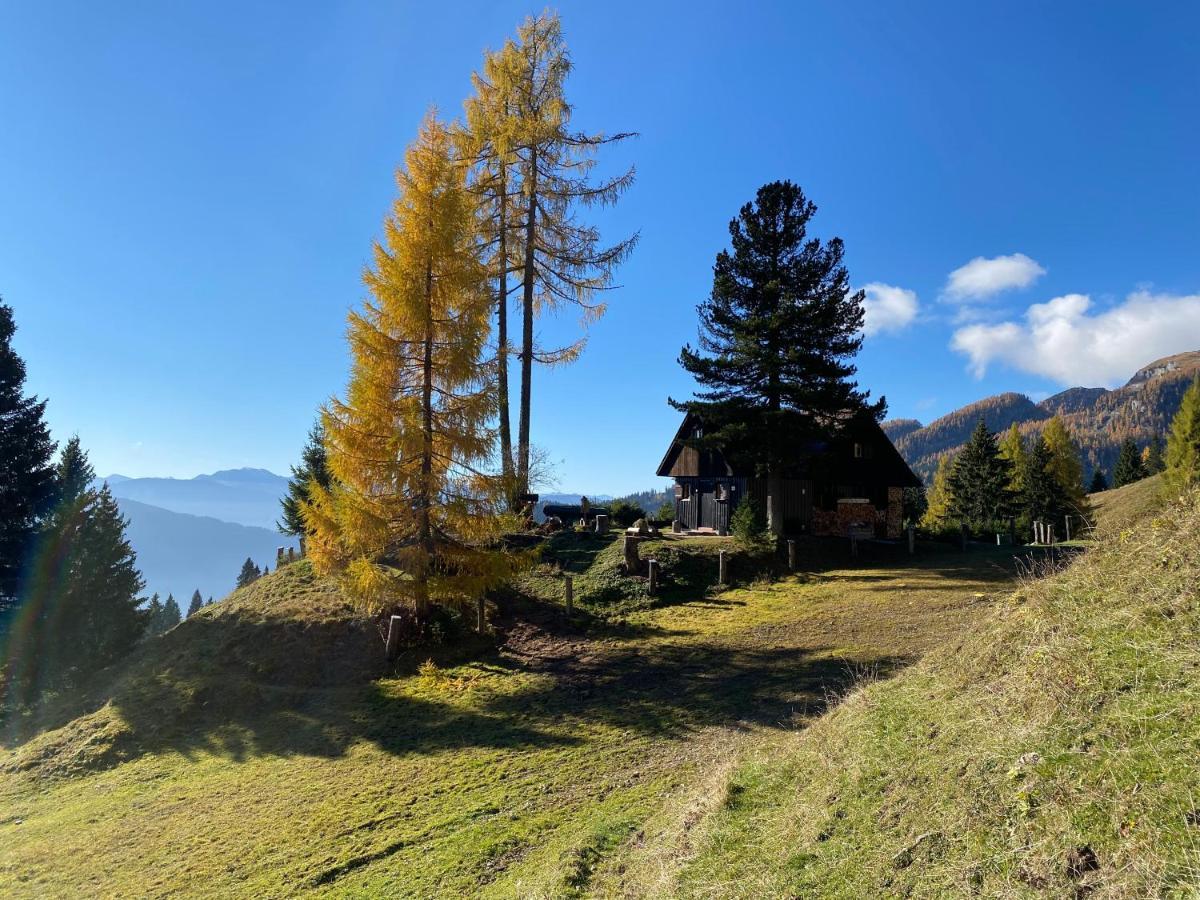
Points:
(698, 432)
(861, 450)
(683, 491)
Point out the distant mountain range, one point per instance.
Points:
(243, 496)
(1100, 419)
(179, 553)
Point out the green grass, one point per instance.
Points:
(1065, 728)
(1122, 507)
(253, 751)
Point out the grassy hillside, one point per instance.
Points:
(254, 752)
(1051, 753)
(1121, 507)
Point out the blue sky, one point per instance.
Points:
(189, 193)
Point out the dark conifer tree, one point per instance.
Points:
(196, 605)
(1129, 466)
(777, 336)
(1155, 460)
(1043, 498)
(978, 483)
(210, 601)
(83, 611)
(313, 469)
(249, 573)
(1099, 482)
(154, 617)
(27, 482)
(171, 616)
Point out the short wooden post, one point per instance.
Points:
(791, 556)
(303, 547)
(570, 594)
(1050, 535)
(601, 523)
(912, 540)
(480, 615)
(291, 554)
(278, 557)
(393, 637)
(1012, 530)
(997, 539)
(1067, 520)
(1037, 532)
(722, 570)
(676, 527)
(633, 562)
(652, 565)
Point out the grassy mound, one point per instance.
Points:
(687, 566)
(1051, 753)
(1122, 507)
(263, 647)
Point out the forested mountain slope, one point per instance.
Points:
(1100, 419)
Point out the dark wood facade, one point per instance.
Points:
(854, 479)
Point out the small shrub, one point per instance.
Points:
(666, 512)
(624, 513)
(749, 525)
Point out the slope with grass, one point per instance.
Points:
(256, 751)
(1050, 753)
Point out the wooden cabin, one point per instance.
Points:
(856, 479)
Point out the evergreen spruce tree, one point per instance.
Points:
(249, 573)
(777, 336)
(1099, 482)
(83, 612)
(1153, 458)
(1012, 448)
(1066, 461)
(209, 601)
(171, 616)
(27, 477)
(937, 509)
(531, 181)
(154, 617)
(1183, 443)
(1043, 498)
(313, 468)
(1129, 466)
(196, 605)
(409, 517)
(978, 482)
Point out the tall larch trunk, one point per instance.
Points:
(506, 458)
(425, 495)
(527, 328)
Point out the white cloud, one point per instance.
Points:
(982, 278)
(887, 308)
(1064, 340)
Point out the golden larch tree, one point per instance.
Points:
(1066, 461)
(534, 173)
(410, 518)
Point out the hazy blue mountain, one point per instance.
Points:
(244, 496)
(180, 553)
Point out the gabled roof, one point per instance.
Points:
(832, 458)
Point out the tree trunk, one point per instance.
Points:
(527, 329)
(506, 459)
(425, 496)
(774, 502)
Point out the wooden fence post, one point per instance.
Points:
(652, 564)
(570, 595)
(480, 615)
(601, 523)
(912, 540)
(1068, 524)
(721, 567)
(791, 556)
(393, 637)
